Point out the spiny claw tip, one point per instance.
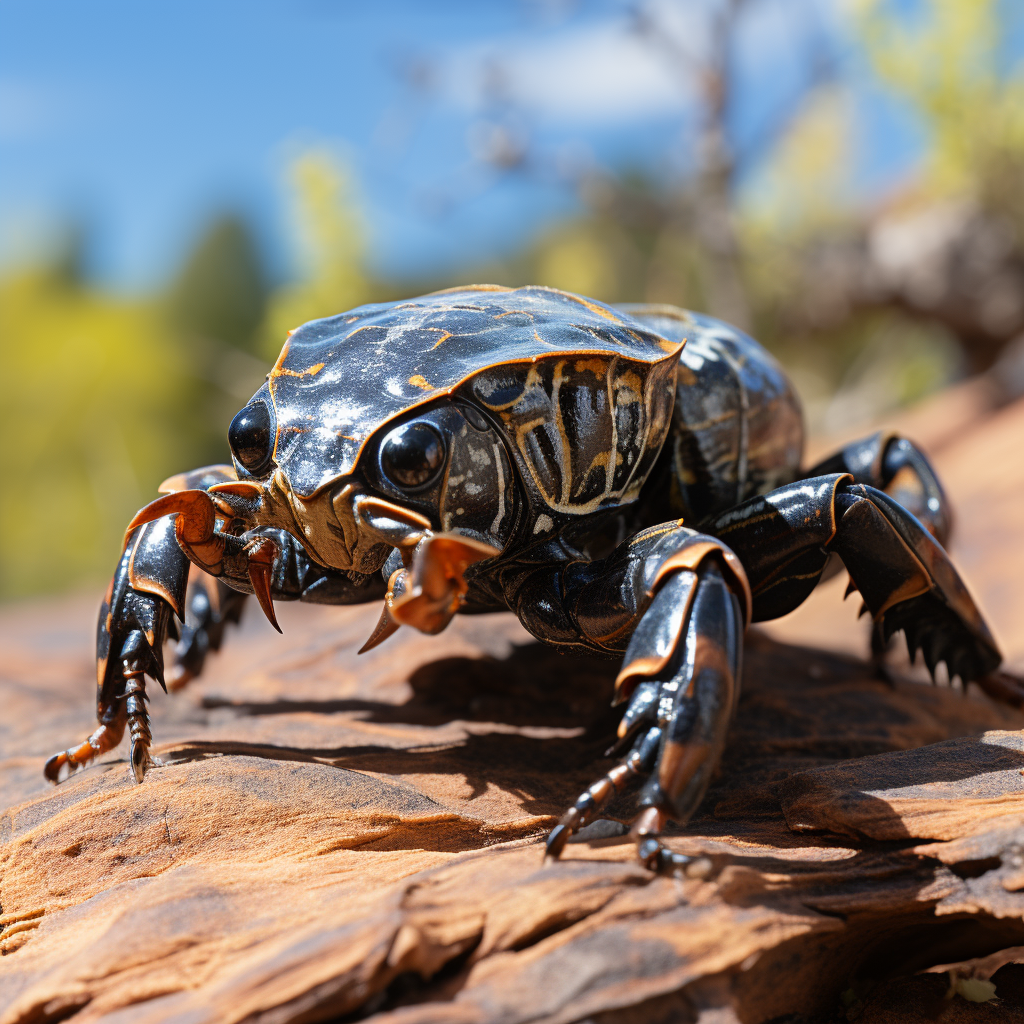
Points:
(557, 838)
(139, 758)
(386, 626)
(51, 770)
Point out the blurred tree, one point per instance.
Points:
(927, 286)
(216, 306)
(631, 244)
(953, 250)
(947, 58)
(948, 250)
(108, 396)
(701, 220)
(221, 291)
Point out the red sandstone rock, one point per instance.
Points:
(336, 836)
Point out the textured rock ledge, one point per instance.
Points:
(338, 839)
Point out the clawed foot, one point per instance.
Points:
(105, 738)
(102, 740)
(656, 856)
(131, 712)
(652, 853)
(1005, 687)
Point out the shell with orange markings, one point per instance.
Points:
(583, 393)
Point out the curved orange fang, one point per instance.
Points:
(386, 626)
(261, 569)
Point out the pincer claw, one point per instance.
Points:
(196, 513)
(436, 584)
(195, 525)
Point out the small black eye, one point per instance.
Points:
(412, 455)
(250, 436)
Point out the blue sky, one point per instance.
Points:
(142, 120)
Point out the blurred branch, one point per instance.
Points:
(951, 249)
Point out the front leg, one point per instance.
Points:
(675, 602)
(146, 601)
(136, 618)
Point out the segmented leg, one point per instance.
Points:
(135, 619)
(897, 466)
(105, 738)
(905, 578)
(127, 708)
(139, 733)
(681, 667)
(698, 695)
(210, 607)
(676, 595)
(656, 856)
(147, 598)
(639, 761)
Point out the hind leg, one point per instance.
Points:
(897, 466)
(906, 579)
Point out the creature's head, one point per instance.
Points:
(486, 414)
(441, 467)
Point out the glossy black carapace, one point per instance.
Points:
(625, 480)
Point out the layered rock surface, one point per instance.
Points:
(343, 838)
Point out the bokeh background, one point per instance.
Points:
(181, 183)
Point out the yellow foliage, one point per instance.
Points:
(88, 427)
(578, 262)
(806, 184)
(946, 61)
(106, 397)
(331, 249)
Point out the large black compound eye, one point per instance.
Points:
(412, 455)
(251, 438)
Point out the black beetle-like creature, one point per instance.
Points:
(529, 450)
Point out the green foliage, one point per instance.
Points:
(108, 396)
(89, 423)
